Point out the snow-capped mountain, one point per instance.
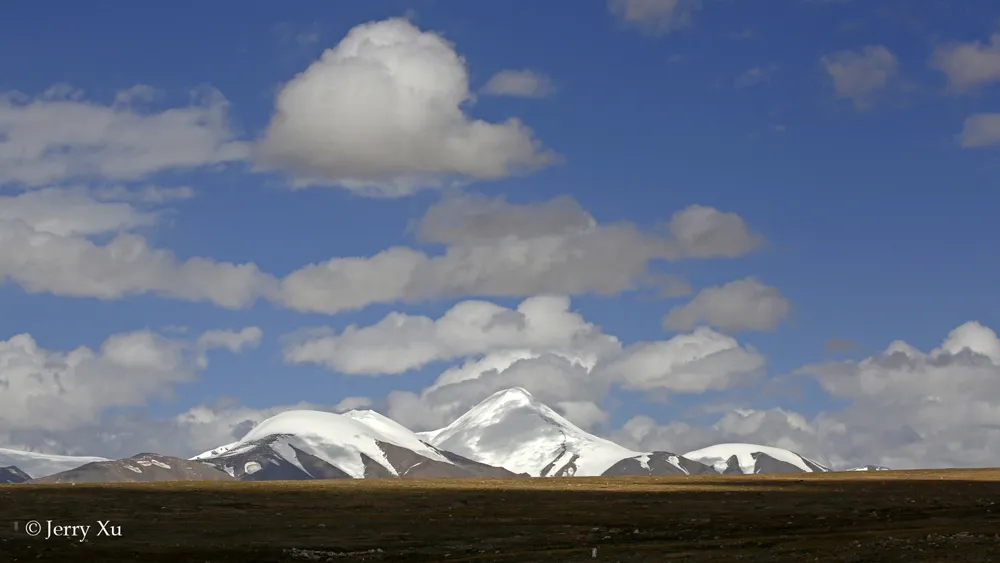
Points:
(11, 475)
(869, 468)
(141, 468)
(304, 444)
(40, 465)
(513, 430)
(508, 434)
(751, 459)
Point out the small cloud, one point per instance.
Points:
(655, 17)
(306, 38)
(835, 344)
(980, 130)
(860, 75)
(519, 84)
(968, 65)
(754, 76)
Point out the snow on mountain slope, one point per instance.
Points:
(338, 440)
(752, 458)
(304, 444)
(394, 433)
(40, 465)
(511, 429)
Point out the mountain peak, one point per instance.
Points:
(513, 430)
(513, 394)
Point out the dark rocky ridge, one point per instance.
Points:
(141, 468)
(764, 463)
(657, 463)
(11, 475)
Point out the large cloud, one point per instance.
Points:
(541, 346)
(745, 304)
(42, 262)
(119, 435)
(701, 361)
(968, 65)
(906, 409)
(861, 75)
(59, 135)
(400, 343)
(494, 248)
(52, 391)
(382, 113)
(68, 212)
(45, 248)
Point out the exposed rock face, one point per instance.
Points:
(658, 463)
(10, 475)
(477, 469)
(767, 464)
(140, 468)
(733, 466)
(750, 459)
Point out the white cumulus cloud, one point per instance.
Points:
(382, 113)
(495, 248)
(400, 342)
(59, 135)
(46, 390)
(745, 304)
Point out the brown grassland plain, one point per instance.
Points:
(951, 515)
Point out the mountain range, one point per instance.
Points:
(509, 434)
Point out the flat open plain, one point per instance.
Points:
(920, 516)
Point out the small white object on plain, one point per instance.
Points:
(593, 553)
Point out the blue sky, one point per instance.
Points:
(833, 130)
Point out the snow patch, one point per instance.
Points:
(217, 451)
(159, 464)
(251, 467)
(131, 468)
(644, 461)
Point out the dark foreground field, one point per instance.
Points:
(899, 516)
